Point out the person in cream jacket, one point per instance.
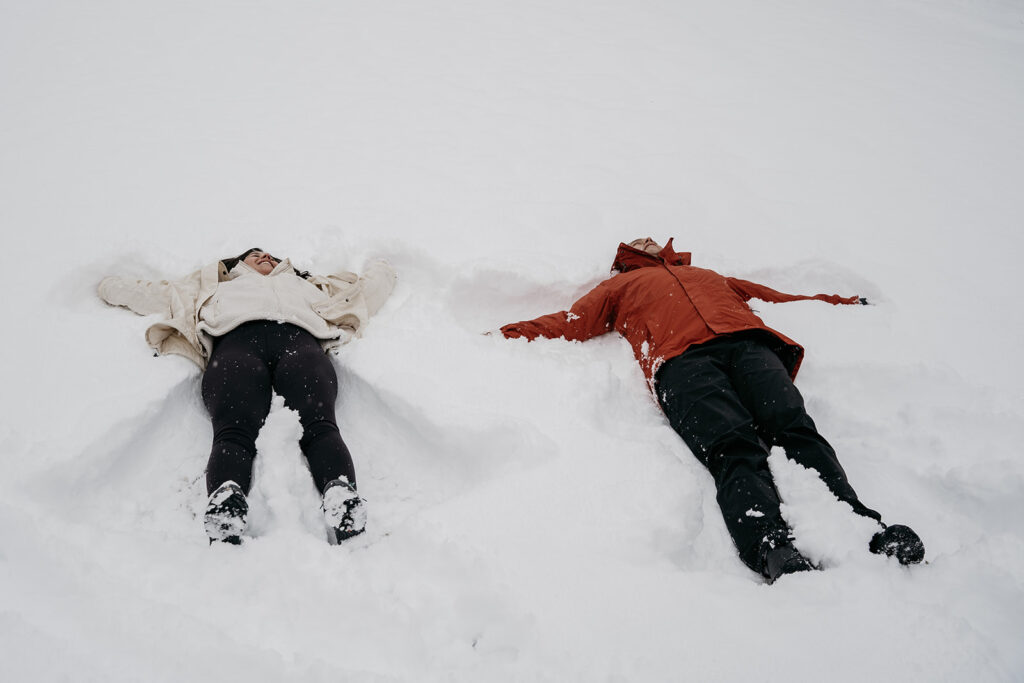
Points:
(254, 324)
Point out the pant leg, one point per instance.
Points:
(304, 376)
(697, 396)
(236, 391)
(766, 390)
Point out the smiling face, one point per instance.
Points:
(646, 244)
(261, 262)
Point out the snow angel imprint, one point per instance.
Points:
(724, 380)
(256, 325)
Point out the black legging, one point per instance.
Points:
(732, 400)
(245, 365)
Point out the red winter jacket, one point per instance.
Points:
(662, 305)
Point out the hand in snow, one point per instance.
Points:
(378, 262)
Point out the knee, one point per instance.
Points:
(308, 386)
(242, 433)
(711, 435)
(316, 412)
(315, 430)
(738, 461)
(781, 415)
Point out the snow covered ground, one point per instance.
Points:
(533, 517)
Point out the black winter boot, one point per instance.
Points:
(225, 514)
(344, 510)
(899, 541)
(777, 556)
(783, 559)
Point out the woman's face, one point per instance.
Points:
(261, 262)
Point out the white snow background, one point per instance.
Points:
(532, 515)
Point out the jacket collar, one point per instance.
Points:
(629, 258)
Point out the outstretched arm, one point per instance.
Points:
(141, 296)
(751, 290)
(591, 316)
(378, 282)
(353, 299)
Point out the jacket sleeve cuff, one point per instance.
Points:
(379, 281)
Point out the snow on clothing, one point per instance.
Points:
(723, 378)
(247, 364)
(252, 334)
(344, 304)
(663, 306)
(731, 400)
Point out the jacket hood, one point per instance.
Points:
(629, 258)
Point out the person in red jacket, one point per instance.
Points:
(725, 382)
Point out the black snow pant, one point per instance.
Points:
(731, 400)
(248, 363)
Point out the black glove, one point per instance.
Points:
(898, 540)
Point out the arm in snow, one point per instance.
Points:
(140, 296)
(751, 290)
(378, 282)
(352, 299)
(589, 317)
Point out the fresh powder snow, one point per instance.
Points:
(532, 516)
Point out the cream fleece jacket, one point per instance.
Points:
(211, 302)
(280, 295)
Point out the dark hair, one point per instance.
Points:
(233, 261)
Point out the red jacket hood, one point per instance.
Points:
(629, 258)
